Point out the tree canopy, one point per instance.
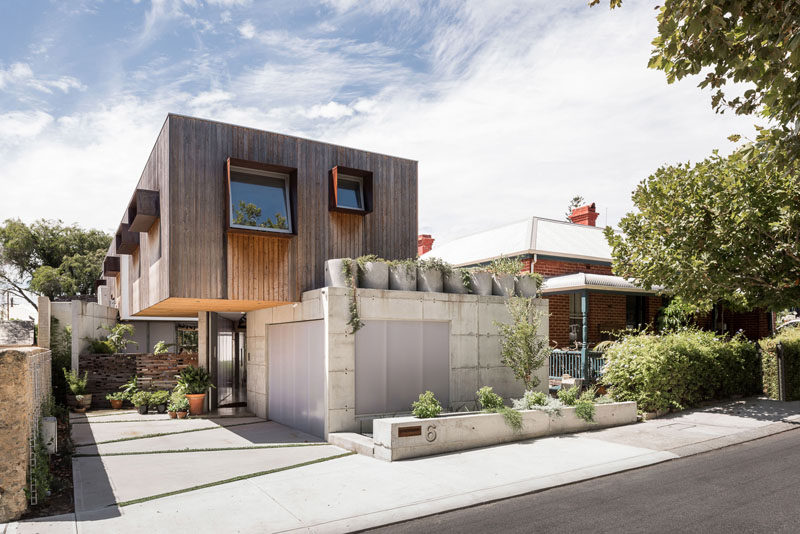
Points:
(723, 229)
(50, 258)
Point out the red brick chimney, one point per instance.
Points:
(584, 215)
(424, 243)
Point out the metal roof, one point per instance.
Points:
(535, 235)
(594, 282)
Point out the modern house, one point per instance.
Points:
(586, 300)
(232, 226)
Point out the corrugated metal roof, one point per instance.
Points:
(600, 282)
(531, 236)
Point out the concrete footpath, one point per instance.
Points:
(346, 493)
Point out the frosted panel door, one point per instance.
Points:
(398, 360)
(296, 354)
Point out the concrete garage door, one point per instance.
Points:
(398, 360)
(297, 375)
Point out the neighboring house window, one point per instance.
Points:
(635, 312)
(575, 318)
(350, 192)
(259, 200)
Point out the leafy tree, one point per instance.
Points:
(521, 348)
(50, 258)
(725, 229)
(576, 202)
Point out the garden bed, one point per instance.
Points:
(398, 438)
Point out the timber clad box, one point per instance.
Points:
(232, 219)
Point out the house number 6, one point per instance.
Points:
(431, 434)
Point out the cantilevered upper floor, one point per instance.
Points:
(226, 218)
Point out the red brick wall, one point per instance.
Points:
(559, 320)
(557, 267)
(754, 324)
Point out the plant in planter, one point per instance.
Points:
(141, 399)
(458, 281)
(195, 381)
(159, 400)
(162, 347)
(116, 341)
(403, 275)
(480, 281)
(528, 284)
(116, 399)
(130, 387)
(504, 271)
(77, 386)
(174, 400)
(430, 274)
(491, 402)
(350, 272)
(427, 406)
(521, 348)
(373, 272)
(181, 405)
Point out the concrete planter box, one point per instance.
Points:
(453, 283)
(403, 277)
(526, 286)
(408, 437)
(503, 285)
(334, 273)
(430, 280)
(374, 275)
(481, 282)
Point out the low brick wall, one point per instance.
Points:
(19, 370)
(107, 372)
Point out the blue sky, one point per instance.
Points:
(511, 108)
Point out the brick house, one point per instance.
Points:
(575, 260)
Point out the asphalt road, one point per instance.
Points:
(751, 487)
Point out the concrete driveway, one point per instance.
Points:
(125, 457)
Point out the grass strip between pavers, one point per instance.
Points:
(229, 480)
(119, 412)
(159, 434)
(209, 449)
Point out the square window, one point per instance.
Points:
(349, 192)
(259, 200)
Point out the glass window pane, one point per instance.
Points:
(348, 194)
(259, 202)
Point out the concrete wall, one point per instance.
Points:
(86, 319)
(474, 344)
(20, 370)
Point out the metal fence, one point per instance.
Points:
(39, 368)
(571, 362)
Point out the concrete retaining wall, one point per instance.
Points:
(408, 437)
(20, 370)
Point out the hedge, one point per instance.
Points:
(790, 339)
(679, 370)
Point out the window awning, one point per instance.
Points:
(594, 282)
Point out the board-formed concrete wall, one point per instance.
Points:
(474, 343)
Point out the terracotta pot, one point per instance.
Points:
(181, 415)
(196, 403)
(173, 415)
(116, 404)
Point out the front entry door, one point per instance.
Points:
(231, 376)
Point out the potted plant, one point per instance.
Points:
(480, 280)
(181, 406)
(457, 281)
(194, 382)
(373, 272)
(130, 387)
(403, 275)
(174, 401)
(162, 347)
(504, 271)
(141, 400)
(528, 284)
(77, 386)
(116, 399)
(430, 275)
(159, 400)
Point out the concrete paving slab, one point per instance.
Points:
(109, 415)
(135, 477)
(265, 433)
(57, 524)
(93, 432)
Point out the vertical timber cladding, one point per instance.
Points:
(199, 246)
(297, 375)
(398, 360)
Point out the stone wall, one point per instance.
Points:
(20, 370)
(107, 372)
(19, 333)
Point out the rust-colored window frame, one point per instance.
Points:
(333, 190)
(291, 172)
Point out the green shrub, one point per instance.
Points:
(679, 369)
(140, 398)
(531, 399)
(100, 346)
(159, 397)
(512, 417)
(488, 399)
(789, 338)
(117, 395)
(76, 384)
(61, 357)
(194, 380)
(130, 387)
(569, 396)
(427, 406)
(584, 406)
(177, 402)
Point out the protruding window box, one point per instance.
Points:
(127, 241)
(144, 210)
(350, 190)
(111, 266)
(99, 282)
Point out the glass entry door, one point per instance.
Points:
(231, 376)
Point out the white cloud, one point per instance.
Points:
(247, 30)
(229, 3)
(210, 98)
(16, 126)
(331, 110)
(21, 74)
